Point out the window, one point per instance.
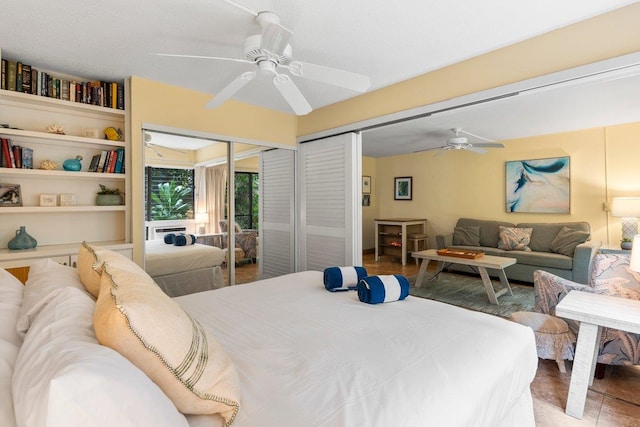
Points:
(246, 198)
(169, 193)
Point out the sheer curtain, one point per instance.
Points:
(216, 183)
(201, 193)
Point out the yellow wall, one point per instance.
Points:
(165, 105)
(606, 36)
(464, 184)
(369, 213)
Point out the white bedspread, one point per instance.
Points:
(162, 259)
(308, 357)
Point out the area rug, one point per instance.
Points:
(467, 291)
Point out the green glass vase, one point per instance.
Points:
(22, 240)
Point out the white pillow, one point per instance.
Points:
(63, 377)
(11, 293)
(46, 278)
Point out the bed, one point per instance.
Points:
(301, 356)
(181, 270)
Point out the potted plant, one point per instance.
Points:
(108, 196)
(626, 243)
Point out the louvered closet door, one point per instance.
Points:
(330, 208)
(277, 213)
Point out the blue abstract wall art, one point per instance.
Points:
(538, 185)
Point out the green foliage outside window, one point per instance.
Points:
(169, 193)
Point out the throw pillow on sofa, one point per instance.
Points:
(514, 238)
(468, 235)
(566, 241)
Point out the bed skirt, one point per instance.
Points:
(189, 282)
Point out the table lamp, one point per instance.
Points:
(634, 263)
(201, 219)
(627, 208)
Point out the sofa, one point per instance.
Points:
(610, 275)
(561, 248)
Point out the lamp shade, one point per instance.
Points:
(634, 264)
(625, 207)
(202, 217)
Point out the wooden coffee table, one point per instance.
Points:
(482, 264)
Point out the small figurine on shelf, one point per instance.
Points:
(72, 165)
(56, 128)
(112, 134)
(48, 165)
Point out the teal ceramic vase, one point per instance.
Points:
(22, 240)
(72, 165)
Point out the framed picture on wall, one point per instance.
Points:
(10, 195)
(366, 200)
(538, 185)
(403, 188)
(366, 185)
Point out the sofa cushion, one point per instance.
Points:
(541, 259)
(489, 232)
(567, 239)
(514, 238)
(544, 233)
(468, 235)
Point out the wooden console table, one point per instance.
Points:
(391, 236)
(593, 311)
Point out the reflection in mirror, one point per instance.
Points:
(186, 190)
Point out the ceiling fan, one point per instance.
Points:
(151, 146)
(458, 142)
(270, 51)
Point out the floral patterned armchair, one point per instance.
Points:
(247, 240)
(610, 275)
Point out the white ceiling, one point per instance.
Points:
(388, 41)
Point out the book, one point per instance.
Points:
(18, 76)
(12, 159)
(11, 74)
(17, 156)
(26, 78)
(119, 160)
(35, 81)
(5, 152)
(120, 96)
(103, 159)
(27, 158)
(113, 156)
(3, 76)
(93, 166)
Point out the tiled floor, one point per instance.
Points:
(611, 401)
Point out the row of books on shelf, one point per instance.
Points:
(15, 156)
(109, 161)
(20, 77)
(18, 157)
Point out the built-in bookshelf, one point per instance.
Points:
(58, 206)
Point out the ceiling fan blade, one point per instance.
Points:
(292, 94)
(332, 76)
(152, 145)
(475, 150)
(430, 149)
(488, 144)
(239, 6)
(217, 58)
(230, 90)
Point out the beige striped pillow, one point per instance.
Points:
(137, 319)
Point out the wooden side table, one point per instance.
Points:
(593, 311)
(391, 236)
